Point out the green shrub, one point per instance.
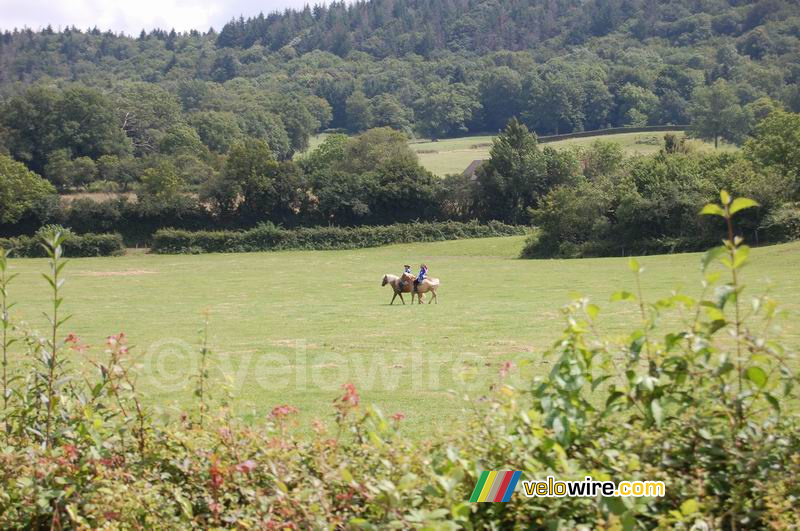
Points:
(783, 223)
(268, 237)
(651, 208)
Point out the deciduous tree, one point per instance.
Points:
(717, 114)
(20, 190)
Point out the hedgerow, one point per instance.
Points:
(269, 237)
(75, 245)
(706, 403)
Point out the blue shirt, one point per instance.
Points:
(422, 274)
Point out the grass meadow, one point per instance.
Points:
(454, 155)
(292, 327)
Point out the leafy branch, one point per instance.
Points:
(5, 306)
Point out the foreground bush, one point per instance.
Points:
(708, 406)
(268, 237)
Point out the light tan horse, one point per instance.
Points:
(429, 285)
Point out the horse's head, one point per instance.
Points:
(385, 280)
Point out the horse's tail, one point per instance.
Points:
(434, 281)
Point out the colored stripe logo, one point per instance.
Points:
(494, 486)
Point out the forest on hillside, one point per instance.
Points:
(435, 68)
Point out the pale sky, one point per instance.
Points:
(131, 16)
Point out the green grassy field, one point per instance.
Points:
(454, 155)
(451, 155)
(493, 308)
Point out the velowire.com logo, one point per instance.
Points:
(495, 486)
(498, 486)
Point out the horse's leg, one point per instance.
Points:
(433, 296)
(401, 298)
(393, 297)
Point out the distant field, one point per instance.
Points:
(291, 327)
(315, 141)
(454, 155)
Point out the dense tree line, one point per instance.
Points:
(371, 178)
(385, 28)
(77, 134)
(584, 201)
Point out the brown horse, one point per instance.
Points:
(394, 281)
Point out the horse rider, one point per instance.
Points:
(406, 271)
(423, 273)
